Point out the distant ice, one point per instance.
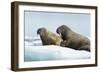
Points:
(33, 41)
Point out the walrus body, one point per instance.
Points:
(48, 38)
(72, 39)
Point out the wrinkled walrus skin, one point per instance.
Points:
(72, 39)
(48, 38)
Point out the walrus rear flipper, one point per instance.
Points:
(86, 48)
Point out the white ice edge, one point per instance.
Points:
(53, 52)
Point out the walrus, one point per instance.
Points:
(72, 39)
(49, 38)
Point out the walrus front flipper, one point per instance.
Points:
(86, 48)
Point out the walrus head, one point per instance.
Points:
(41, 31)
(62, 30)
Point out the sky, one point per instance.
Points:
(78, 22)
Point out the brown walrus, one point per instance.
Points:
(72, 39)
(48, 38)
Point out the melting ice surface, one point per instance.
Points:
(34, 51)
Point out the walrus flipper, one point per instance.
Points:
(86, 48)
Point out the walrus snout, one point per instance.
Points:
(58, 31)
